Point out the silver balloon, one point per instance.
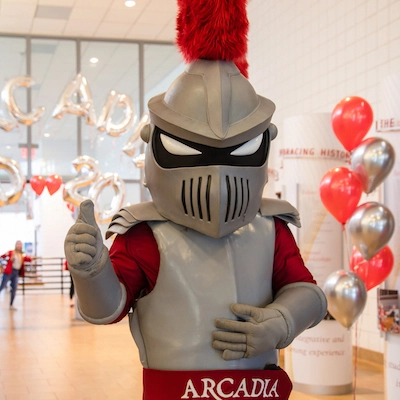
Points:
(134, 141)
(371, 226)
(17, 181)
(8, 97)
(346, 294)
(89, 171)
(372, 160)
(78, 86)
(105, 122)
(105, 213)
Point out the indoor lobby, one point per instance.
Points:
(306, 56)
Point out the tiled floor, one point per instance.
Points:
(48, 354)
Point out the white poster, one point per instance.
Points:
(319, 361)
(322, 348)
(388, 127)
(392, 367)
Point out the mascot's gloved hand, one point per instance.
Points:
(83, 244)
(296, 307)
(101, 297)
(262, 329)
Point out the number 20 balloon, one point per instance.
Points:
(95, 183)
(118, 199)
(89, 172)
(17, 181)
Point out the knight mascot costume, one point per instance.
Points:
(208, 271)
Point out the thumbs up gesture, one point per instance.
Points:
(83, 244)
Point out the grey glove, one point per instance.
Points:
(83, 244)
(260, 330)
(296, 307)
(101, 297)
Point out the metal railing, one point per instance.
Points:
(45, 274)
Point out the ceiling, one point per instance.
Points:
(148, 20)
(111, 20)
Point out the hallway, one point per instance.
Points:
(48, 354)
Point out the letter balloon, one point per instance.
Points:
(12, 168)
(118, 198)
(7, 125)
(374, 271)
(105, 121)
(340, 191)
(88, 169)
(134, 141)
(371, 226)
(351, 120)
(346, 295)
(372, 160)
(8, 98)
(79, 87)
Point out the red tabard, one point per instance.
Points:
(216, 385)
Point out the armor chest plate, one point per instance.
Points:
(199, 278)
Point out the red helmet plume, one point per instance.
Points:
(213, 30)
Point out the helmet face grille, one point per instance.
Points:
(238, 197)
(196, 197)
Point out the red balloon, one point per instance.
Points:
(38, 184)
(351, 120)
(340, 191)
(374, 271)
(53, 183)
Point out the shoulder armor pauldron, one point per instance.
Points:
(280, 209)
(132, 215)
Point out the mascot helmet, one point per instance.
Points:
(208, 143)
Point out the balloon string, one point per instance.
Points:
(356, 341)
(346, 244)
(355, 361)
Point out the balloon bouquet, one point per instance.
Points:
(371, 224)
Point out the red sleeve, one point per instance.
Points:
(6, 254)
(136, 261)
(288, 264)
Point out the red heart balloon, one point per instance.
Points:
(38, 184)
(53, 183)
(374, 271)
(340, 191)
(351, 120)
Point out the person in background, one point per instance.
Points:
(71, 288)
(14, 268)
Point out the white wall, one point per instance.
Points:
(308, 55)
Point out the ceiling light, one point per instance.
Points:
(46, 134)
(8, 147)
(130, 3)
(94, 60)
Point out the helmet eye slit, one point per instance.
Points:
(174, 152)
(236, 199)
(199, 198)
(208, 190)
(183, 197)
(191, 197)
(242, 197)
(229, 195)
